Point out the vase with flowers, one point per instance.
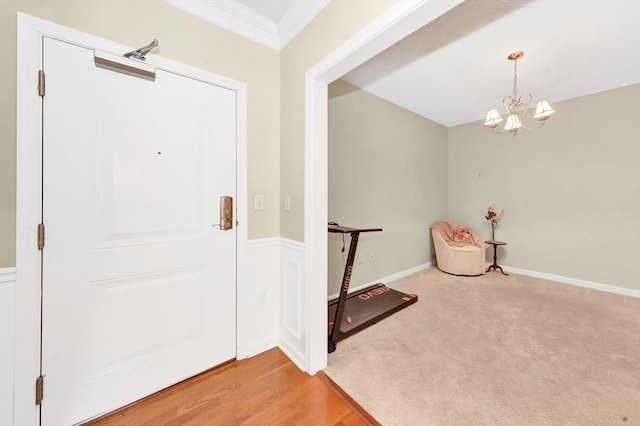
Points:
(494, 218)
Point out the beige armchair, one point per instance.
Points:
(459, 251)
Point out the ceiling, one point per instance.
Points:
(455, 68)
(272, 9)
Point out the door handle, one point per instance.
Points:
(226, 213)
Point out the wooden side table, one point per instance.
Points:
(495, 245)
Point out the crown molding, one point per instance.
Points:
(235, 17)
(296, 18)
(242, 20)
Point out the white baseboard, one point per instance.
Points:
(257, 347)
(576, 282)
(293, 354)
(387, 279)
(7, 346)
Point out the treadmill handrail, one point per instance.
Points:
(346, 230)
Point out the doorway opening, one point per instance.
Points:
(394, 25)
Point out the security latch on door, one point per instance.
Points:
(226, 213)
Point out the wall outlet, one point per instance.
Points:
(371, 258)
(287, 203)
(264, 296)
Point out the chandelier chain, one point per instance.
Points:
(515, 81)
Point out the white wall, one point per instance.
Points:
(7, 343)
(570, 190)
(387, 169)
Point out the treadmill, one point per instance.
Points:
(365, 307)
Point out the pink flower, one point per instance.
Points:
(492, 215)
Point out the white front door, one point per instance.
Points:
(139, 289)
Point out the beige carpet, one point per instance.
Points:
(497, 350)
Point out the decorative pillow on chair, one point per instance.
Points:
(464, 235)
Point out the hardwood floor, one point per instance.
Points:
(267, 389)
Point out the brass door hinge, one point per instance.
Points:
(41, 83)
(39, 390)
(40, 236)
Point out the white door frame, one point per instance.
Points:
(29, 206)
(399, 21)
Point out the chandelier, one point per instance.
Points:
(516, 108)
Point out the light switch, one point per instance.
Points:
(287, 203)
(258, 202)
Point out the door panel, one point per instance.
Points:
(134, 158)
(130, 332)
(138, 287)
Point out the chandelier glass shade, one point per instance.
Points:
(516, 108)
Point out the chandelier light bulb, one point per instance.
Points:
(493, 118)
(513, 124)
(543, 110)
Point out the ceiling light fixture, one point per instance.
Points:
(516, 108)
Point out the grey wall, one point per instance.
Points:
(570, 190)
(388, 169)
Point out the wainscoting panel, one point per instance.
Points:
(7, 343)
(259, 316)
(293, 339)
